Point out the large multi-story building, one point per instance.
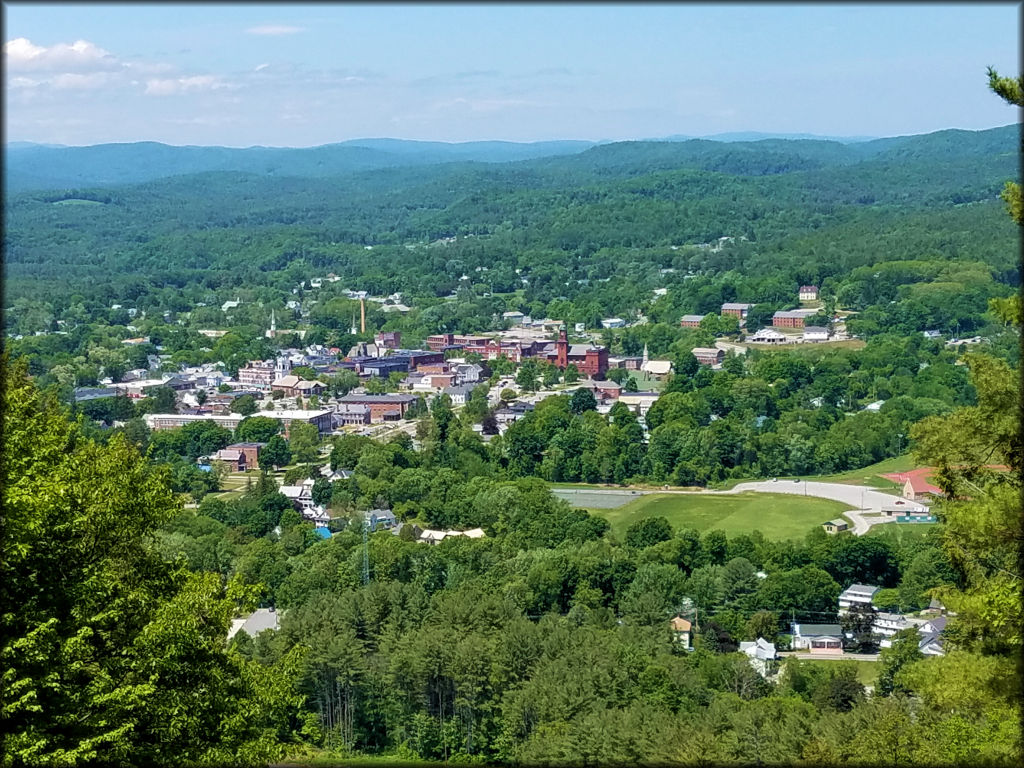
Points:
(736, 309)
(321, 419)
(440, 341)
(793, 319)
(708, 355)
(382, 407)
(261, 374)
(691, 321)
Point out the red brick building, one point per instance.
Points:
(382, 407)
(590, 359)
(691, 321)
(708, 355)
(736, 309)
(788, 320)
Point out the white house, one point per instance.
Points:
(808, 293)
(299, 495)
(459, 395)
(818, 638)
(887, 625)
(856, 594)
(815, 333)
(681, 630)
(931, 637)
(932, 334)
(613, 322)
(761, 653)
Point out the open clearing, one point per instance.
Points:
(777, 516)
(901, 533)
(867, 671)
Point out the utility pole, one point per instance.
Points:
(366, 554)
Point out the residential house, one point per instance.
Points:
(431, 536)
(835, 526)
(468, 373)
(932, 334)
(818, 638)
(815, 333)
(887, 625)
(351, 414)
(808, 293)
(691, 321)
(258, 621)
(613, 322)
(761, 653)
(709, 355)
(379, 518)
(301, 496)
(931, 636)
(333, 475)
(513, 411)
(639, 402)
(681, 631)
(459, 395)
(856, 594)
(516, 318)
(235, 459)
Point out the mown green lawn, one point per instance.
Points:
(868, 475)
(867, 671)
(777, 516)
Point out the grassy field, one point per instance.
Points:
(868, 475)
(867, 671)
(777, 516)
(898, 533)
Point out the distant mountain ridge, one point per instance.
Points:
(29, 167)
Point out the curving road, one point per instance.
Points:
(866, 503)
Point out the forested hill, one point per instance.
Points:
(36, 167)
(597, 229)
(29, 166)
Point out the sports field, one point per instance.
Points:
(777, 516)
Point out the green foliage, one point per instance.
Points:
(113, 653)
(276, 453)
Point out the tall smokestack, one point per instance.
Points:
(362, 316)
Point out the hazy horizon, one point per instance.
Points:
(300, 76)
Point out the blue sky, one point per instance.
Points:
(303, 75)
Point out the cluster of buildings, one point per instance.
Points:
(829, 638)
(591, 359)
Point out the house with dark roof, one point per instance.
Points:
(818, 638)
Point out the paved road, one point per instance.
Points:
(866, 503)
(832, 656)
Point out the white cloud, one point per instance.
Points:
(274, 29)
(22, 55)
(171, 86)
(261, 67)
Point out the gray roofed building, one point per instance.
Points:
(258, 621)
